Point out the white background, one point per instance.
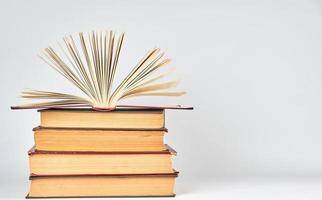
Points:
(252, 70)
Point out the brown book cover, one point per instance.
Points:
(107, 129)
(72, 197)
(169, 150)
(119, 107)
(175, 173)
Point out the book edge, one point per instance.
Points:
(39, 128)
(174, 174)
(119, 107)
(99, 111)
(154, 196)
(169, 150)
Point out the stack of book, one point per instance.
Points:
(90, 145)
(87, 153)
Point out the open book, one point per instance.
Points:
(89, 62)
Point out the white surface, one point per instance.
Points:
(286, 188)
(252, 69)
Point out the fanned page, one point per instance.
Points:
(89, 61)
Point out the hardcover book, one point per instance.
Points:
(99, 139)
(118, 185)
(75, 163)
(89, 62)
(88, 118)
